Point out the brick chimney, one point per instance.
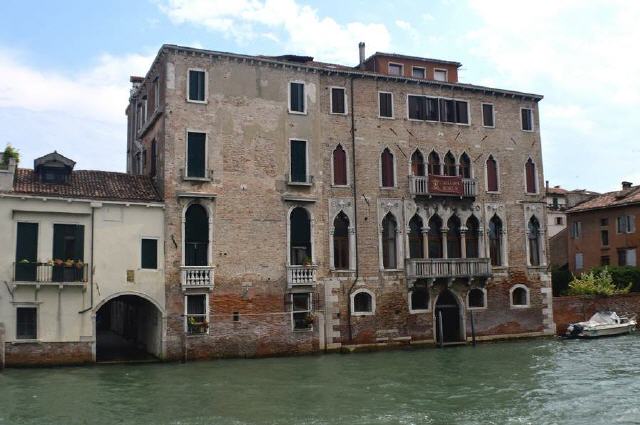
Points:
(626, 185)
(361, 51)
(7, 175)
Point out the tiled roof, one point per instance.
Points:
(618, 198)
(557, 190)
(89, 184)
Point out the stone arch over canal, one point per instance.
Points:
(450, 307)
(128, 327)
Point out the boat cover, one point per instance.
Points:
(604, 318)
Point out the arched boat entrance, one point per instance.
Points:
(128, 328)
(448, 319)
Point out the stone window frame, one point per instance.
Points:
(311, 230)
(493, 114)
(535, 177)
(531, 115)
(408, 95)
(27, 304)
(373, 302)
(395, 169)
(497, 209)
(528, 296)
(393, 110)
(581, 260)
(537, 211)
(401, 65)
(419, 310)
(486, 175)
(348, 166)
(446, 74)
(309, 176)
(206, 85)
(472, 173)
(207, 313)
(336, 206)
(185, 175)
(395, 207)
(304, 98)
(346, 102)
(423, 68)
(157, 239)
(485, 299)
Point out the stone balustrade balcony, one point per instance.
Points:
(442, 186)
(433, 268)
(301, 275)
(197, 277)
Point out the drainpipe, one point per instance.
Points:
(91, 265)
(355, 208)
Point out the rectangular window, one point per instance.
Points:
(576, 229)
(301, 311)
(68, 244)
(149, 254)
(447, 110)
(197, 85)
(433, 109)
(338, 101)
(395, 69)
(604, 237)
(385, 101)
(297, 98)
(605, 260)
(579, 261)
(462, 112)
(418, 72)
(440, 75)
(196, 314)
(622, 257)
(604, 222)
(626, 224)
(631, 257)
(417, 107)
(26, 323)
(26, 252)
(196, 154)
(527, 119)
(487, 115)
(559, 221)
(299, 162)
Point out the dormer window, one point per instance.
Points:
(53, 168)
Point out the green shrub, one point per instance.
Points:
(623, 276)
(10, 152)
(596, 283)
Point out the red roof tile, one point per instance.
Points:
(618, 198)
(89, 184)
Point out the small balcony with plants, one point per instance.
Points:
(57, 271)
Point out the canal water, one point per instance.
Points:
(528, 382)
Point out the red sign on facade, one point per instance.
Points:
(446, 185)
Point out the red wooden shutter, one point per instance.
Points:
(531, 176)
(492, 175)
(387, 168)
(339, 166)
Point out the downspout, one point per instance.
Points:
(355, 208)
(91, 265)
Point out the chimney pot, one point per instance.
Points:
(626, 185)
(361, 50)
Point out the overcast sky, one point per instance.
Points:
(65, 65)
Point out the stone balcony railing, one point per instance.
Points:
(433, 268)
(197, 277)
(301, 275)
(442, 186)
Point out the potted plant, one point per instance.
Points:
(58, 262)
(307, 262)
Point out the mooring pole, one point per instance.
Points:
(473, 330)
(440, 342)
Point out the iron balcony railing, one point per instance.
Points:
(448, 267)
(419, 185)
(50, 272)
(301, 275)
(197, 277)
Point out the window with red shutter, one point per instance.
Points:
(339, 166)
(387, 168)
(530, 170)
(492, 175)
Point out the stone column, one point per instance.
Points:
(352, 248)
(463, 242)
(425, 242)
(481, 246)
(445, 253)
(332, 265)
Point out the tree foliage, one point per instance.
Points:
(596, 283)
(10, 152)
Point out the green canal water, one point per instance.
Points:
(529, 382)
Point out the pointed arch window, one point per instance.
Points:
(196, 238)
(386, 162)
(417, 163)
(534, 241)
(492, 174)
(416, 249)
(530, 175)
(339, 166)
(435, 237)
(465, 166)
(449, 165)
(454, 238)
(300, 237)
(471, 237)
(341, 242)
(434, 163)
(389, 242)
(495, 241)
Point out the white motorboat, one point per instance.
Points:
(603, 323)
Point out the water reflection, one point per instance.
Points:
(538, 381)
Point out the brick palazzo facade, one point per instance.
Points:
(313, 206)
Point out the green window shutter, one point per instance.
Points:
(196, 85)
(149, 254)
(298, 161)
(196, 151)
(26, 252)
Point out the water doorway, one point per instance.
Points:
(128, 329)
(448, 307)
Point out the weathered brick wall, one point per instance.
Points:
(48, 353)
(567, 310)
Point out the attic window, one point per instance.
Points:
(54, 175)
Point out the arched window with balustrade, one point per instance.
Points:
(495, 240)
(435, 237)
(454, 238)
(196, 237)
(417, 163)
(300, 237)
(434, 163)
(472, 239)
(465, 166)
(416, 248)
(449, 165)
